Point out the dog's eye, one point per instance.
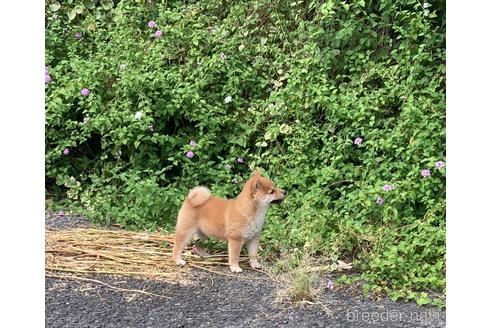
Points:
(271, 191)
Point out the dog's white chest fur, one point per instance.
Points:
(256, 224)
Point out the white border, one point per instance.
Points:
(22, 163)
(469, 126)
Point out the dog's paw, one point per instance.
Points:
(236, 268)
(255, 264)
(180, 262)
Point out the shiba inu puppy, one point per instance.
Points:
(239, 220)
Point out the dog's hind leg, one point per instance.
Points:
(183, 235)
(200, 250)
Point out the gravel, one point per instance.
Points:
(62, 221)
(212, 300)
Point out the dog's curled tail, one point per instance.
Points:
(198, 195)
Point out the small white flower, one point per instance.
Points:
(122, 66)
(426, 5)
(138, 115)
(228, 99)
(426, 12)
(241, 47)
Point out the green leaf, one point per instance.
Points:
(423, 300)
(285, 129)
(261, 144)
(71, 14)
(107, 4)
(55, 6)
(79, 9)
(327, 8)
(90, 4)
(99, 15)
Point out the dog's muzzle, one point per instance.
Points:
(278, 201)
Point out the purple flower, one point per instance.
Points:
(228, 167)
(158, 34)
(222, 56)
(47, 79)
(85, 92)
(379, 201)
(425, 173)
(151, 24)
(240, 160)
(46, 70)
(66, 151)
(194, 250)
(358, 141)
(190, 154)
(329, 284)
(439, 165)
(192, 143)
(388, 187)
(78, 35)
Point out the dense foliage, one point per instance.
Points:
(340, 103)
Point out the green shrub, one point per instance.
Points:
(305, 79)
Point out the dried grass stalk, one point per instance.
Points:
(118, 252)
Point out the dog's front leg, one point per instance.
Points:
(235, 245)
(253, 246)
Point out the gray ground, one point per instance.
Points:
(212, 300)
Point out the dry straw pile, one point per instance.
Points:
(120, 252)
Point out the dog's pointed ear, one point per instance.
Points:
(257, 172)
(256, 185)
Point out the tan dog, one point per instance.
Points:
(236, 220)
